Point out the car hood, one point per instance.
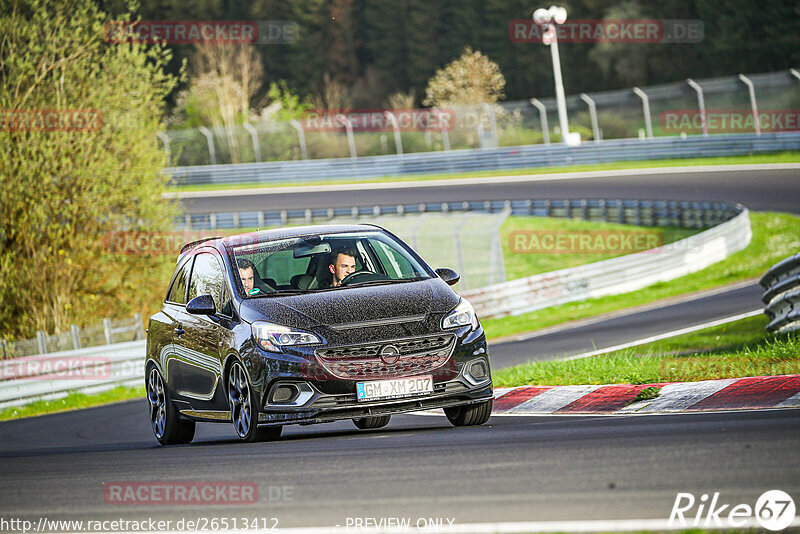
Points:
(353, 307)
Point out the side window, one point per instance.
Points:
(208, 279)
(177, 291)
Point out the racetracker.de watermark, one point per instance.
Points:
(586, 242)
(379, 120)
(202, 32)
(50, 120)
(621, 31)
(44, 367)
(171, 493)
(729, 120)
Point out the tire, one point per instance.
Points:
(245, 408)
(165, 421)
(471, 414)
(376, 421)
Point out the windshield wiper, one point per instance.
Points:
(386, 281)
(286, 292)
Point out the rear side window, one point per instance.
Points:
(177, 291)
(208, 279)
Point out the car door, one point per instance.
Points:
(196, 368)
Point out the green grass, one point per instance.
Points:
(775, 236)
(73, 401)
(738, 349)
(779, 157)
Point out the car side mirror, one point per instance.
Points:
(448, 275)
(202, 305)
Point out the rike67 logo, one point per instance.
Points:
(774, 510)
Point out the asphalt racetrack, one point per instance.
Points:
(511, 469)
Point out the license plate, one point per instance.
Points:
(394, 389)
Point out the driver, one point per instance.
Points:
(342, 264)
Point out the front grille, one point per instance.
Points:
(416, 356)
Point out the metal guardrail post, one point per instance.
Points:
(107, 331)
(752, 91)
(492, 123)
(592, 116)
(542, 119)
(648, 124)
(76, 336)
(301, 137)
(348, 126)
(212, 153)
(459, 251)
(165, 140)
(445, 132)
(254, 137)
(139, 334)
(701, 104)
(398, 141)
(41, 340)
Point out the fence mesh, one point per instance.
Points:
(620, 114)
(121, 330)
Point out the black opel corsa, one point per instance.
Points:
(311, 325)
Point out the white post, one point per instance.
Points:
(592, 116)
(560, 98)
(76, 336)
(41, 341)
(542, 119)
(752, 90)
(492, 122)
(348, 126)
(210, 138)
(445, 133)
(646, 107)
(795, 73)
(107, 331)
(301, 137)
(254, 136)
(398, 141)
(165, 140)
(701, 103)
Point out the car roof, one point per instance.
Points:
(262, 236)
(295, 231)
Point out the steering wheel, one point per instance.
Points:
(359, 276)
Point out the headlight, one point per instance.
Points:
(463, 315)
(272, 337)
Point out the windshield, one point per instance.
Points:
(323, 262)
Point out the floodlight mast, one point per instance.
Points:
(548, 19)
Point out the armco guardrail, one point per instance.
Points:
(678, 213)
(617, 275)
(527, 156)
(782, 295)
(56, 374)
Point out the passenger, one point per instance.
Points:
(247, 273)
(342, 264)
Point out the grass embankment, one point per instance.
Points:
(775, 236)
(73, 401)
(780, 157)
(738, 349)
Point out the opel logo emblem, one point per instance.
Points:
(390, 354)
